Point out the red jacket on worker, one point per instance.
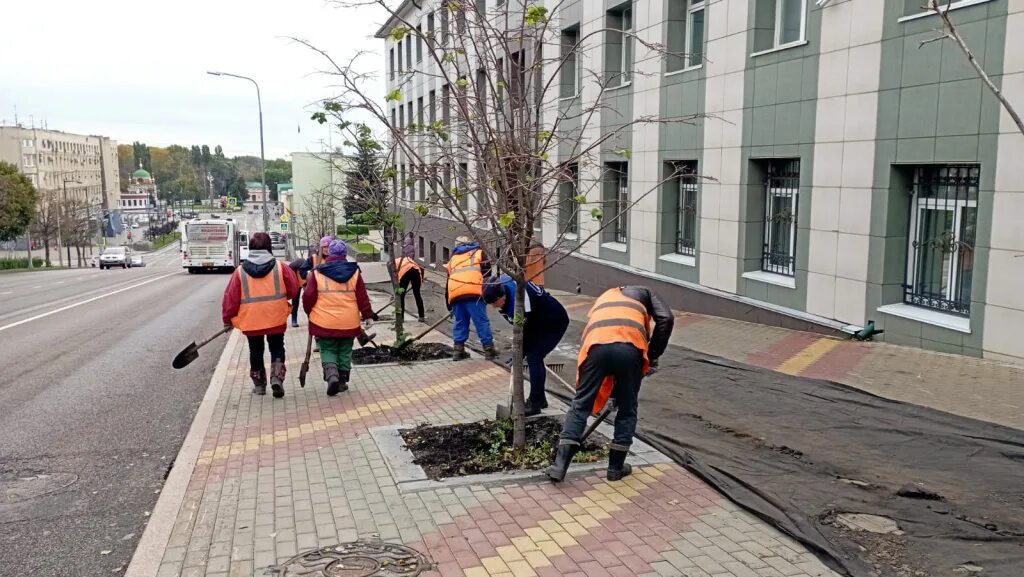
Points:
(259, 265)
(339, 270)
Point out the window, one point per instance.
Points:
(391, 63)
(940, 248)
(779, 23)
(686, 208)
(408, 52)
(432, 106)
(394, 123)
(619, 46)
(685, 34)
(433, 252)
(568, 206)
(401, 118)
(617, 200)
(28, 160)
(400, 69)
(444, 24)
(570, 73)
(27, 143)
(430, 30)
(412, 181)
(517, 76)
(446, 114)
(463, 185)
(460, 20)
(421, 247)
(410, 117)
(419, 111)
(446, 253)
(419, 43)
(480, 88)
(401, 188)
(780, 213)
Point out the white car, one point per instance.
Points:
(114, 256)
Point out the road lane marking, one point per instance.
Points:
(9, 293)
(79, 303)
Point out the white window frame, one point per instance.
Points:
(947, 7)
(955, 205)
(28, 160)
(625, 78)
(778, 24)
(27, 143)
(694, 6)
(621, 205)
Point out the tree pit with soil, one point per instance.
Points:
(486, 447)
(416, 352)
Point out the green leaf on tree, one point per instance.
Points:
(319, 117)
(462, 83)
(395, 94)
(506, 219)
(398, 32)
(596, 213)
(536, 14)
(453, 227)
(581, 198)
(422, 210)
(625, 152)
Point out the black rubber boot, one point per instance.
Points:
(344, 380)
(489, 352)
(333, 378)
(617, 465)
(259, 381)
(533, 408)
(277, 371)
(460, 352)
(556, 472)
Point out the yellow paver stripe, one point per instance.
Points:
(549, 538)
(255, 442)
(799, 362)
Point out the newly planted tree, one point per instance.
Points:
(505, 152)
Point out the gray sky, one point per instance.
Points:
(136, 70)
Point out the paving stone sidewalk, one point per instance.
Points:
(278, 477)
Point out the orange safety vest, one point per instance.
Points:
(404, 264)
(535, 264)
(465, 275)
(316, 262)
(336, 305)
(264, 303)
(614, 318)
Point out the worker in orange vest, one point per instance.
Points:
(467, 269)
(536, 261)
(256, 303)
(410, 275)
(619, 348)
(312, 261)
(336, 300)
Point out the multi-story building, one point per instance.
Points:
(85, 165)
(843, 172)
(316, 195)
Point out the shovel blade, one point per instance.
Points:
(186, 356)
(302, 373)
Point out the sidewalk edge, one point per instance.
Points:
(150, 550)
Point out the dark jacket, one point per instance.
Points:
(338, 270)
(485, 268)
(307, 266)
(258, 265)
(660, 312)
(544, 314)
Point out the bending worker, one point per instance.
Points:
(546, 321)
(335, 300)
(618, 350)
(467, 269)
(410, 274)
(256, 303)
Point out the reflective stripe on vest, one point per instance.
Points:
(337, 307)
(465, 276)
(614, 318)
(264, 303)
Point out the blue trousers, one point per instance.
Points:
(471, 309)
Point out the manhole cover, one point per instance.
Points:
(18, 489)
(356, 559)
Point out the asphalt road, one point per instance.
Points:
(91, 413)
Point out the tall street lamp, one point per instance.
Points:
(263, 168)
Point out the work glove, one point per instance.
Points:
(376, 317)
(229, 326)
(367, 324)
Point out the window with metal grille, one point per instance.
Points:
(941, 241)
(617, 200)
(782, 189)
(686, 208)
(568, 206)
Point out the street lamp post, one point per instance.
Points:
(263, 167)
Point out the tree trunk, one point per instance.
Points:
(518, 398)
(46, 248)
(389, 233)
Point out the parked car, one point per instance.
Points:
(276, 240)
(136, 261)
(114, 256)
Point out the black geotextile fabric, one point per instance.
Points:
(798, 452)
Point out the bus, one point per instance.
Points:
(210, 244)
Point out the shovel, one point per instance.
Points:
(191, 352)
(424, 333)
(305, 364)
(365, 338)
